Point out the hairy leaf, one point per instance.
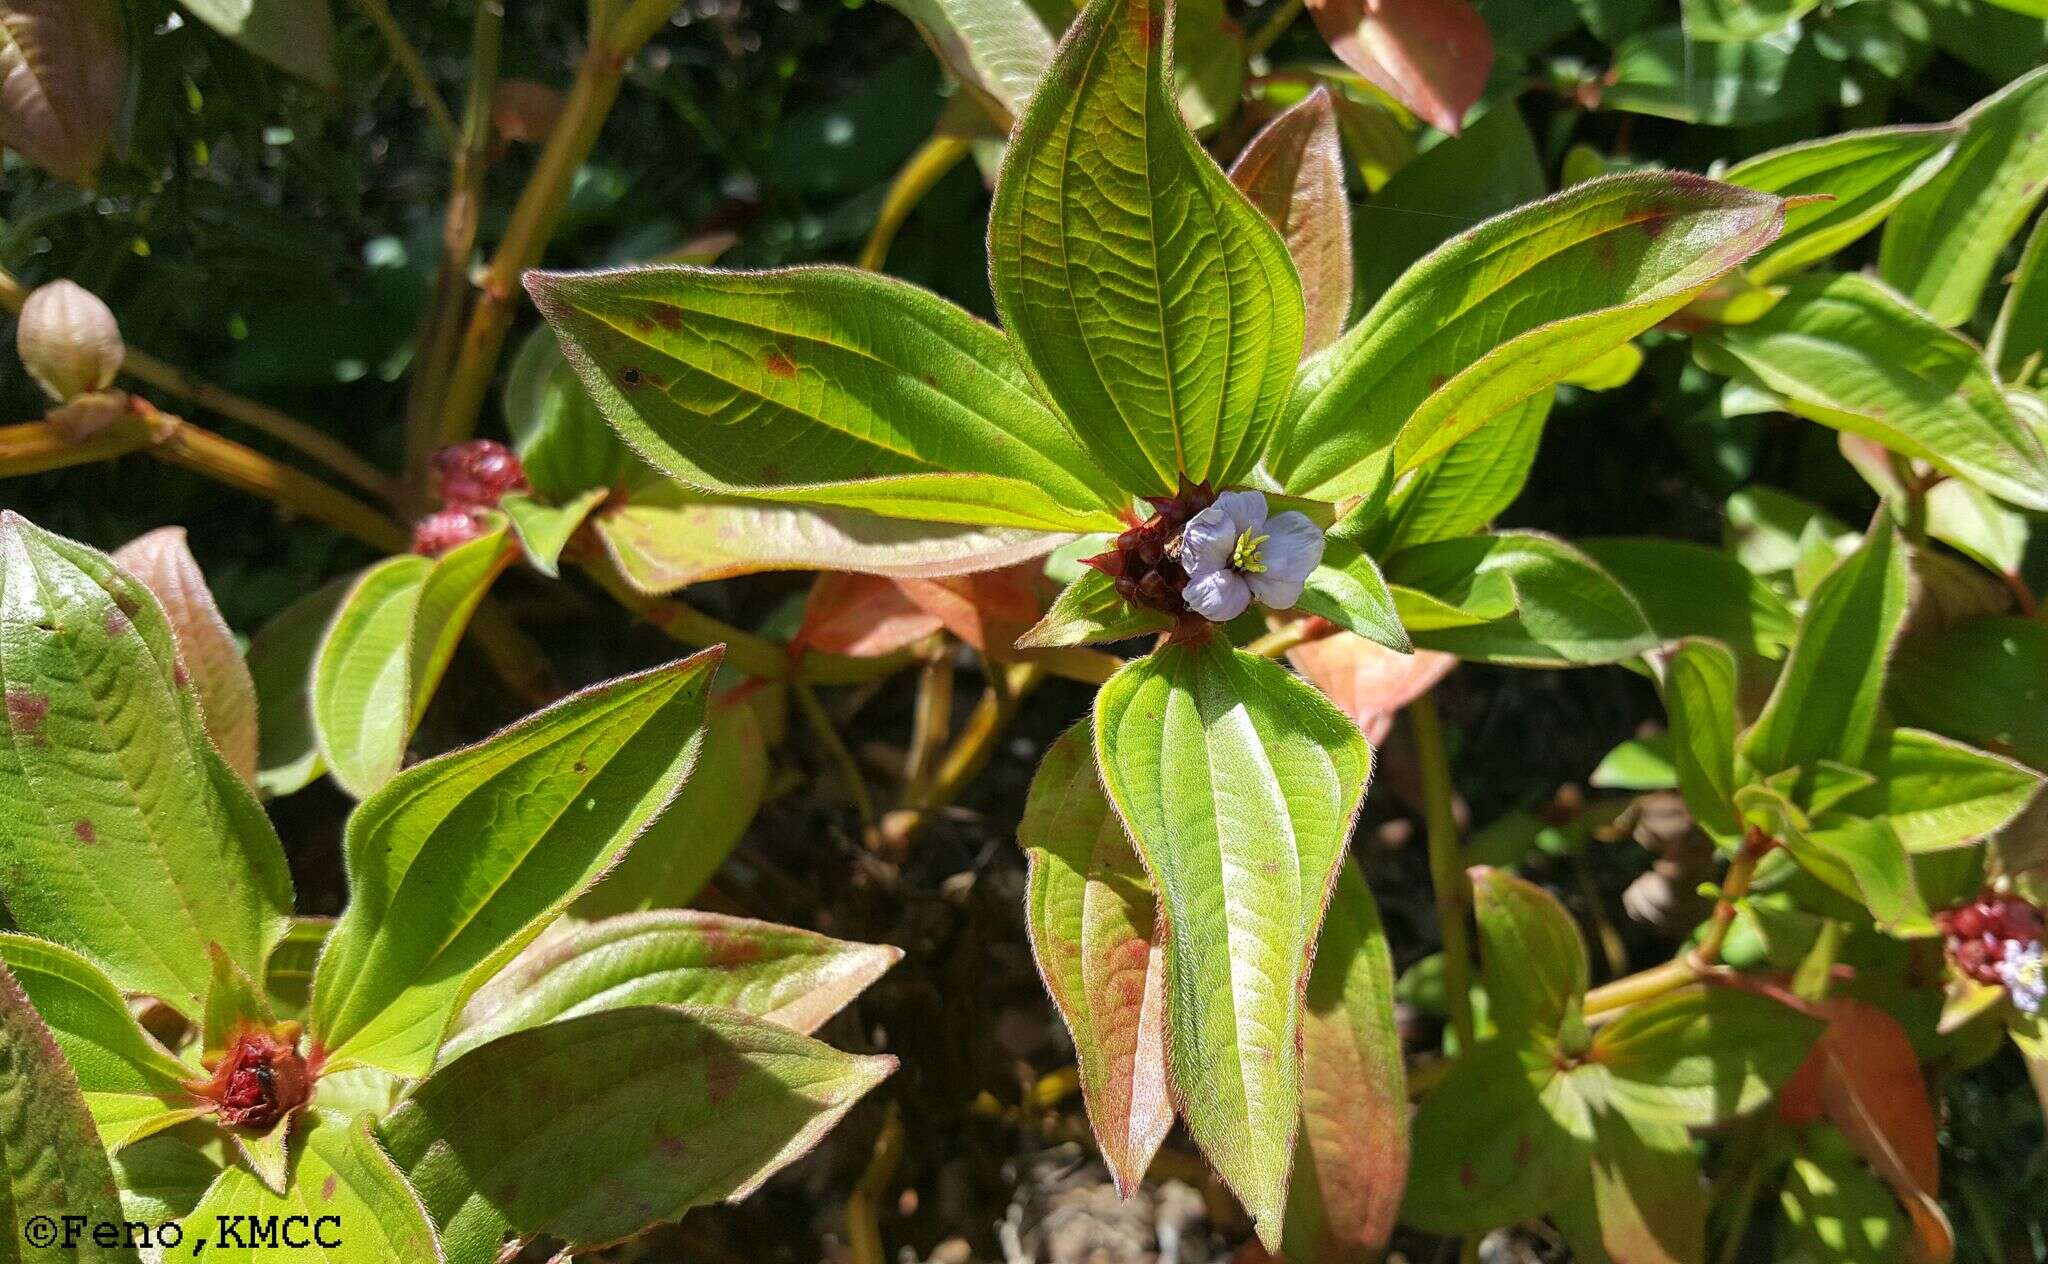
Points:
(1238, 784)
(1476, 478)
(1535, 959)
(457, 863)
(1348, 590)
(1504, 310)
(1089, 611)
(123, 834)
(996, 49)
(206, 648)
(1701, 688)
(1149, 300)
(544, 530)
(700, 1106)
(1567, 610)
(1090, 913)
(826, 386)
(1943, 242)
(1847, 352)
(1864, 175)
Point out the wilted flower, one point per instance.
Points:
(259, 1080)
(2025, 975)
(69, 341)
(1234, 552)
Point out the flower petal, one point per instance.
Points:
(1275, 591)
(1206, 542)
(1218, 596)
(1293, 548)
(1246, 510)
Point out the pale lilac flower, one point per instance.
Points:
(1233, 552)
(2025, 974)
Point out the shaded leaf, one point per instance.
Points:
(544, 530)
(1938, 793)
(294, 35)
(1691, 590)
(2020, 337)
(63, 74)
(1701, 688)
(1534, 957)
(1369, 682)
(280, 661)
(1475, 479)
(1646, 1203)
(1567, 610)
(1503, 1138)
(1755, 81)
(1702, 1056)
(1984, 681)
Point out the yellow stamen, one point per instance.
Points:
(1244, 556)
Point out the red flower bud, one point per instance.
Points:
(477, 474)
(261, 1079)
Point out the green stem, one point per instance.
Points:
(443, 330)
(835, 746)
(410, 65)
(924, 169)
(1273, 28)
(1446, 864)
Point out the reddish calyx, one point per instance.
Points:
(259, 1080)
(1983, 932)
(473, 478)
(1144, 562)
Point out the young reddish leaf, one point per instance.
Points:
(1864, 1077)
(1351, 1161)
(63, 72)
(206, 649)
(1369, 682)
(866, 616)
(1293, 171)
(1432, 56)
(1091, 914)
(988, 609)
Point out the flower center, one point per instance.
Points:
(1244, 555)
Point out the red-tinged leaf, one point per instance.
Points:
(206, 648)
(1864, 1077)
(1351, 1160)
(1091, 914)
(1432, 56)
(1293, 171)
(1369, 682)
(988, 609)
(862, 615)
(63, 72)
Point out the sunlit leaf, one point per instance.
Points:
(1293, 171)
(206, 648)
(1432, 56)
(1864, 175)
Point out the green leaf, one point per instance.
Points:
(2019, 340)
(1637, 764)
(996, 49)
(680, 849)
(337, 1171)
(1152, 304)
(1984, 681)
(1503, 1138)
(163, 1177)
(1090, 912)
(233, 1001)
(293, 35)
(1646, 1203)
(1351, 1158)
(1977, 526)
(1293, 172)
(460, 861)
(1717, 21)
(1702, 1056)
(825, 386)
(1943, 242)
(794, 978)
(699, 1106)
(1463, 490)
(288, 979)
(563, 442)
(1864, 175)
(1506, 309)
(123, 834)
(1089, 611)
(1478, 600)
(1691, 590)
(52, 1160)
(1837, 1209)
(1238, 783)
(163, 561)
(1938, 793)
(544, 530)
(131, 1086)
(1847, 352)
(665, 536)
(1701, 687)
(384, 653)
(1661, 72)
(1825, 703)
(1567, 609)
(66, 62)
(1767, 531)
(1347, 589)
(281, 658)
(1861, 858)
(1534, 957)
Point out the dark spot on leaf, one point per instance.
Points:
(673, 1147)
(931, 380)
(1604, 253)
(1466, 1176)
(721, 1076)
(26, 712)
(730, 950)
(779, 364)
(116, 622)
(581, 766)
(84, 832)
(1436, 381)
(668, 315)
(629, 377)
(1654, 224)
(1522, 1148)
(327, 1188)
